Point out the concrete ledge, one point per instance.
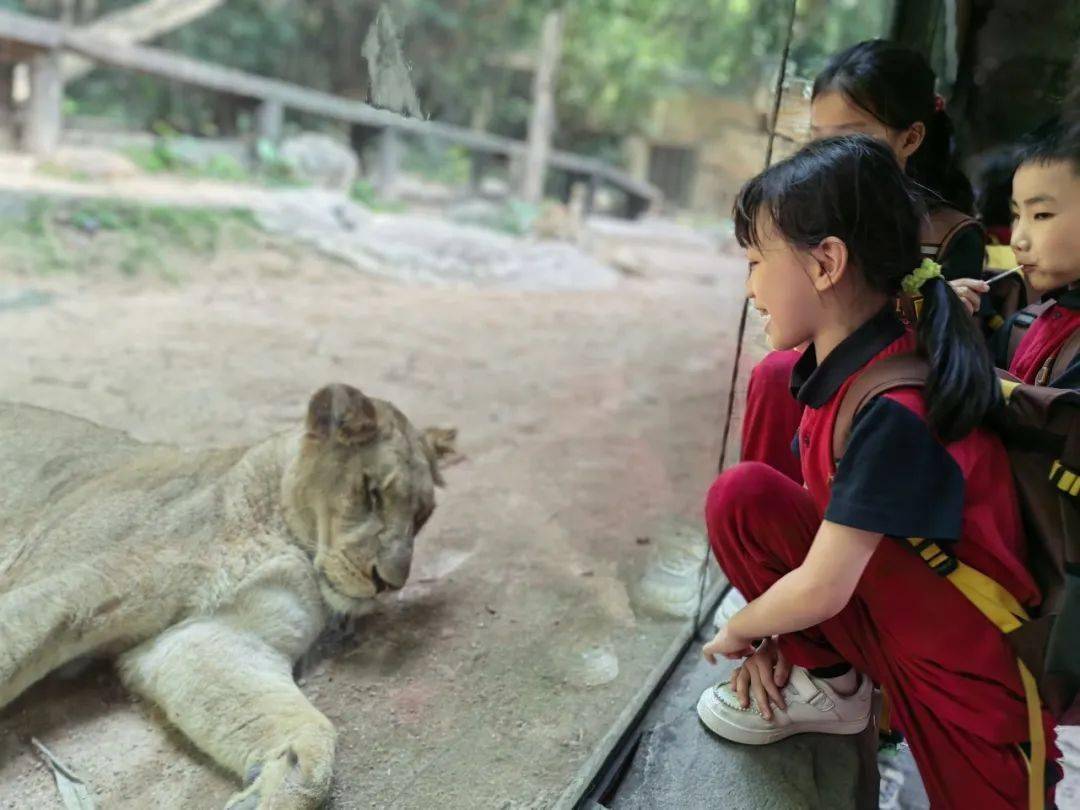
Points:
(681, 764)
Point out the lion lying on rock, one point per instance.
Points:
(207, 574)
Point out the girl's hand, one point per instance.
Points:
(763, 674)
(727, 645)
(969, 290)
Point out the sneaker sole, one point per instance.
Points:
(722, 728)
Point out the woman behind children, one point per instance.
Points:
(831, 234)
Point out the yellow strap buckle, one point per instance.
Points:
(1064, 479)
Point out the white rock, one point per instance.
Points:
(320, 160)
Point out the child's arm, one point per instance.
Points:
(815, 591)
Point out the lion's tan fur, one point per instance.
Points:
(207, 573)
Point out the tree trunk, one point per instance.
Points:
(1071, 108)
(389, 162)
(7, 105)
(542, 118)
(915, 22)
(67, 12)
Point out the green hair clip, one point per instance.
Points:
(914, 280)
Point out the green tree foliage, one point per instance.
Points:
(619, 56)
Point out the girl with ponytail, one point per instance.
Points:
(885, 90)
(838, 595)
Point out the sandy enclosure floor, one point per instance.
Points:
(590, 425)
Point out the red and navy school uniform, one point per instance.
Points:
(1045, 337)
(953, 680)
(772, 415)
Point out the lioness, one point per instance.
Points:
(207, 574)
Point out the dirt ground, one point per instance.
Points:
(589, 422)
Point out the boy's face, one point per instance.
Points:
(1046, 223)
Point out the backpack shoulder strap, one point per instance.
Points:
(896, 371)
(1065, 356)
(1021, 322)
(941, 226)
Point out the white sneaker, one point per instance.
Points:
(812, 705)
(731, 604)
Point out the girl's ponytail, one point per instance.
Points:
(962, 387)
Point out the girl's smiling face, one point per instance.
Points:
(781, 289)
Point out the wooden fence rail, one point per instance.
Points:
(45, 40)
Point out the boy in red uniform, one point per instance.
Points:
(1046, 240)
(838, 595)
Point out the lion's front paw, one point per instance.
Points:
(286, 780)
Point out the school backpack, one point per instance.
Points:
(1007, 296)
(1040, 427)
(939, 227)
(1055, 365)
(937, 230)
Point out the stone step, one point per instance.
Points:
(680, 764)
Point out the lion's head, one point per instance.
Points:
(358, 491)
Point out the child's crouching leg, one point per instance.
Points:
(760, 525)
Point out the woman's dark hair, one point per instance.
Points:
(852, 188)
(896, 85)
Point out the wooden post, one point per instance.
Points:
(269, 121)
(590, 194)
(44, 112)
(542, 118)
(481, 114)
(477, 164)
(389, 160)
(7, 105)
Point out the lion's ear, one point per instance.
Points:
(342, 413)
(439, 444)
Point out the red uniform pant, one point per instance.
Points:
(952, 679)
(772, 415)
